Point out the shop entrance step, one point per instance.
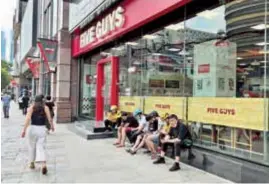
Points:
(87, 131)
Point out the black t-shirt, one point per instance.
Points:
(153, 126)
(132, 121)
(180, 131)
(50, 105)
(25, 100)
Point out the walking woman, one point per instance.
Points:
(36, 117)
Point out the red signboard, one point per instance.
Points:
(129, 15)
(33, 65)
(204, 68)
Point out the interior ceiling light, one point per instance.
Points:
(255, 63)
(263, 61)
(260, 27)
(189, 58)
(239, 58)
(242, 64)
(249, 69)
(263, 52)
(157, 54)
(183, 53)
(261, 44)
(131, 43)
(175, 27)
(208, 14)
(174, 49)
(150, 37)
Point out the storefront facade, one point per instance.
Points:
(185, 57)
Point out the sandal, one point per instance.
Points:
(120, 146)
(133, 152)
(32, 165)
(116, 143)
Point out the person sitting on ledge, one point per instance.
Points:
(144, 130)
(179, 137)
(157, 136)
(134, 132)
(113, 118)
(129, 123)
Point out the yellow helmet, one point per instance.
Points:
(165, 116)
(113, 107)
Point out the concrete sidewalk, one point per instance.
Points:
(73, 159)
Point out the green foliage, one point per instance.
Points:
(5, 76)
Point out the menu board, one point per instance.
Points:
(154, 83)
(171, 84)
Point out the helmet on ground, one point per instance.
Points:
(113, 107)
(154, 114)
(136, 112)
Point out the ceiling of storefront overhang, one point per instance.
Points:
(176, 16)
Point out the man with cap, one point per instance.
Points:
(113, 118)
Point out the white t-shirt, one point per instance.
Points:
(142, 122)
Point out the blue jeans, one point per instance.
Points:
(6, 111)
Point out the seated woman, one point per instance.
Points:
(157, 136)
(113, 118)
(146, 130)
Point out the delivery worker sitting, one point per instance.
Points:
(113, 118)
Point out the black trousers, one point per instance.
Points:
(24, 109)
(178, 146)
(111, 125)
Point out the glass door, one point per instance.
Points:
(107, 87)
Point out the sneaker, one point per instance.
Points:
(44, 170)
(191, 156)
(32, 165)
(175, 167)
(160, 160)
(146, 152)
(128, 150)
(133, 152)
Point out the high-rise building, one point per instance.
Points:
(3, 45)
(11, 47)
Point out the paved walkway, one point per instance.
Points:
(73, 159)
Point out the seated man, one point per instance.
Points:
(128, 124)
(146, 130)
(179, 137)
(133, 132)
(157, 136)
(113, 118)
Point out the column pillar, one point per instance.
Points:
(53, 85)
(41, 77)
(63, 78)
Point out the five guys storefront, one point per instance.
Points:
(183, 57)
(124, 21)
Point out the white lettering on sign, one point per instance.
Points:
(102, 28)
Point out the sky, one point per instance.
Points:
(7, 9)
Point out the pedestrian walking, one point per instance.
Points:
(20, 102)
(6, 104)
(25, 103)
(37, 114)
(50, 104)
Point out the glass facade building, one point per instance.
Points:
(205, 62)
